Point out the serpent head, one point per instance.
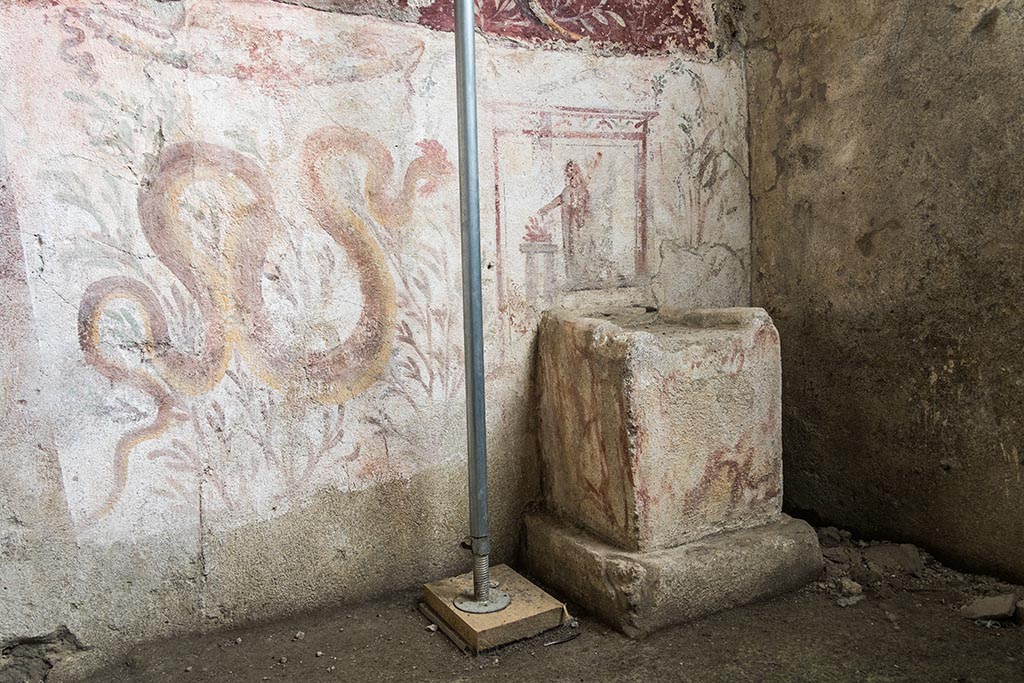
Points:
(432, 166)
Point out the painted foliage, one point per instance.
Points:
(636, 26)
(223, 279)
(239, 226)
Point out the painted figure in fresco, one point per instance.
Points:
(582, 246)
(226, 285)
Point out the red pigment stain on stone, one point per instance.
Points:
(655, 25)
(766, 338)
(645, 501)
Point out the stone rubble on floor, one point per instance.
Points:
(992, 607)
(895, 557)
(881, 569)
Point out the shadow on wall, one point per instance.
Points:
(887, 149)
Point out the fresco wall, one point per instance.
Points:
(623, 26)
(232, 324)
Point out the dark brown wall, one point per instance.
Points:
(887, 148)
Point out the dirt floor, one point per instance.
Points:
(880, 613)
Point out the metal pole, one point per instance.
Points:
(469, 183)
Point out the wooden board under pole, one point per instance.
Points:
(532, 610)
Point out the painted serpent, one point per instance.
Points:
(226, 286)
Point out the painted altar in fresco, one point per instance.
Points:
(570, 200)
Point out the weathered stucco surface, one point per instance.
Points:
(661, 461)
(887, 166)
(232, 325)
(657, 429)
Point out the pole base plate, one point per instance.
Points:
(530, 611)
(498, 601)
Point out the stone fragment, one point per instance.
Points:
(865, 573)
(898, 558)
(658, 428)
(992, 607)
(839, 555)
(300, 635)
(850, 587)
(849, 600)
(829, 537)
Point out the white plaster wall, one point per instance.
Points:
(261, 489)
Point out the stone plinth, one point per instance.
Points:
(658, 430)
(662, 463)
(641, 592)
